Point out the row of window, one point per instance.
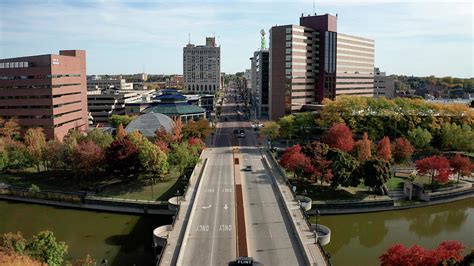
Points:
(38, 76)
(14, 64)
(36, 96)
(39, 86)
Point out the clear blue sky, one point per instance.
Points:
(422, 38)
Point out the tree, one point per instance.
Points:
(376, 172)
(45, 248)
(116, 120)
(10, 129)
(13, 242)
(3, 155)
(203, 128)
(197, 143)
(190, 130)
(122, 156)
(17, 154)
(120, 133)
(402, 150)
(53, 154)
(303, 122)
(437, 167)
(294, 160)
(339, 136)
(152, 159)
(287, 126)
(363, 148)
(271, 130)
(99, 137)
(345, 169)
(181, 156)
(384, 149)
(447, 253)
(163, 139)
(177, 130)
(460, 138)
(322, 169)
(419, 137)
(461, 165)
(35, 141)
(87, 157)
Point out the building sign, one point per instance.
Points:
(55, 61)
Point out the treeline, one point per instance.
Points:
(93, 154)
(407, 82)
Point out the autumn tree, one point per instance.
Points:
(315, 148)
(203, 128)
(271, 130)
(376, 172)
(461, 165)
(402, 150)
(120, 133)
(339, 136)
(10, 128)
(197, 143)
(53, 154)
(177, 130)
(437, 167)
(122, 157)
(116, 120)
(363, 148)
(384, 150)
(99, 137)
(3, 155)
(17, 154)
(447, 253)
(35, 141)
(190, 129)
(322, 169)
(88, 157)
(294, 160)
(163, 139)
(152, 159)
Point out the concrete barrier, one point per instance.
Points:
(160, 234)
(305, 202)
(323, 233)
(174, 202)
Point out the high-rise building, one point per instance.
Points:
(260, 82)
(313, 61)
(47, 91)
(201, 67)
(384, 86)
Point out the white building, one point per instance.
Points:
(201, 67)
(99, 83)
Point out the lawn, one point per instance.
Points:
(395, 183)
(142, 188)
(323, 193)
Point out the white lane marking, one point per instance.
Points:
(225, 207)
(227, 190)
(215, 214)
(202, 228)
(207, 207)
(270, 231)
(225, 228)
(209, 190)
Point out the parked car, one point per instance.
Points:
(248, 168)
(241, 133)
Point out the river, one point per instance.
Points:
(358, 239)
(121, 239)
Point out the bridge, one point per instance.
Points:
(239, 205)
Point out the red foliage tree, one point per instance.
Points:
(399, 255)
(402, 150)
(163, 139)
(461, 165)
(120, 133)
(339, 136)
(363, 148)
(435, 166)
(177, 130)
(294, 160)
(384, 150)
(87, 157)
(322, 169)
(122, 156)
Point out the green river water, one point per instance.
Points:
(357, 239)
(119, 238)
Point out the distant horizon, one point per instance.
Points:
(412, 39)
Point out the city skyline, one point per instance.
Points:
(125, 37)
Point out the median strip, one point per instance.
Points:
(239, 208)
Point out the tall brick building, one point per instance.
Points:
(47, 91)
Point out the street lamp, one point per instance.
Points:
(105, 262)
(179, 204)
(316, 229)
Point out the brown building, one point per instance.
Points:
(313, 61)
(47, 91)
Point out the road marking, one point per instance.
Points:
(225, 228)
(215, 214)
(209, 190)
(227, 190)
(225, 207)
(207, 207)
(202, 228)
(270, 231)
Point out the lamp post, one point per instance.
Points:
(152, 183)
(177, 199)
(316, 229)
(104, 262)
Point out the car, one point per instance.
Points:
(248, 168)
(241, 133)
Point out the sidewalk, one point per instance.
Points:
(175, 238)
(314, 255)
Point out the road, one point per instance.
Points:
(268, 229)
(210, 236)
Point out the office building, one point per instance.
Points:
(103, 104)
(384, 86)
(103, 83)
(259, 85)
(47, 91)
(201, 67)
(312, 61)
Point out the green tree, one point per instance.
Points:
(17, 154)
(344, 169)
(303, 123)
(99, 137)
(460, 138)
(116, 120)
(419, 137)
(287, 126)
(152, 159)
(13, 242)
(181, 156)
(271, 130)
(45, 248)
(35, 141)
(3, 155)
(376, 172)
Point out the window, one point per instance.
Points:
(288, 44)
(288, 64)
(288, 30)
(288, 58)
(288, 51)
(288, 37)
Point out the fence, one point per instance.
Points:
(71, 197)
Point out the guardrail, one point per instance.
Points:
(71, 197)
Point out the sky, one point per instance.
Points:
(418, 38)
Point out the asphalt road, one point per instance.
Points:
(269, 235)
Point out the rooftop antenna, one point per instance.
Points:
(189, 37)
(263, 42)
